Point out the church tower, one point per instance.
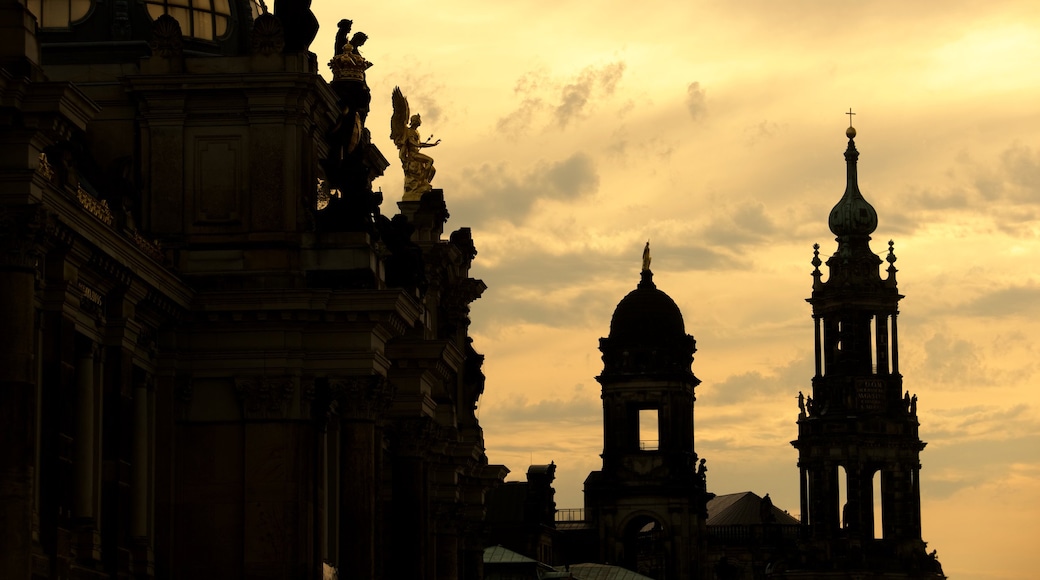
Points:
(858, 443)
(648, 501)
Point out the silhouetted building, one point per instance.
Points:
(218, 358)
(749, 537)
(858, 438)
(647, 504)
(521, 515)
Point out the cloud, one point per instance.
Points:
(573, 100)
(511, 197)
(575, 95)
(761, 132)
(583, 408)
(696, 103)
(782, 382)
(748, 223)
(954, 362)
(1013, 301)
(1000, 193)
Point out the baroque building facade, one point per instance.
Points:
(211, 366)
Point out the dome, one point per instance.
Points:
(646, 315)
(852, 215)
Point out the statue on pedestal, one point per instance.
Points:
(418, 167)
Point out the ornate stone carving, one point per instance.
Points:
(348, 64)
(265, 397)
(97, 207)
(418, 167)
(21, 232)
(183, 389)
(167, 39)
(151, 248)
(361, 397)
(268, 35)
(412, 437)
(43, 167)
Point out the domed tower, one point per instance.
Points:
(648, 501)
(858, 444)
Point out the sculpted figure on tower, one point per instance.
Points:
(418, 167)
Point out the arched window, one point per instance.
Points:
(203, 19)
(59, 13)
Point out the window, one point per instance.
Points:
(59, 13)
(649, 435)
(204, 19)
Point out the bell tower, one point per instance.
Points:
(858, 444)
(648, 501)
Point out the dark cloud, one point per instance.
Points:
(573, 100)
(500, 307)
(696, 103)
(970, 457)
(519, 285)
(1005, 188)
(783, 382)
(1014, 301)
(582, 408)
(576, 94)
(745, 224)
(509, 197)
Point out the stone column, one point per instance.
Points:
(85, 456)
(410, 517)
(360, 401)
(804, 492)
(19, 233)
(141, 479)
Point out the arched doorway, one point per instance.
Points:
(646, 550)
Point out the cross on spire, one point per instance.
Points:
(850, 114)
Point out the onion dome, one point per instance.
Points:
(853, 215)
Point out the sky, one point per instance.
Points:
(573, 131)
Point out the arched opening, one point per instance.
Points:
(843, 497)
(649, 429)
(879, 523)
(645, 550)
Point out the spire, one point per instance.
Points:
(853, 215)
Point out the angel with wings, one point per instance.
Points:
(418, 167)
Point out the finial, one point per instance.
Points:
(891, 259)
(816, 262)
(851, 131)
(646, 256)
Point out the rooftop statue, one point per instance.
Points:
(646, 257)
(348, 64)
(418, 167)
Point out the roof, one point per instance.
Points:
(646, 315)
(604, 572)
(743, 509)
(500, 555)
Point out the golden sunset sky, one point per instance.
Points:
(573, 131)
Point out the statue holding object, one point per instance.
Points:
(418, 167)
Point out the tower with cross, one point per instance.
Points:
(858, 444)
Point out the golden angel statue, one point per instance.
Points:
(418, 167)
